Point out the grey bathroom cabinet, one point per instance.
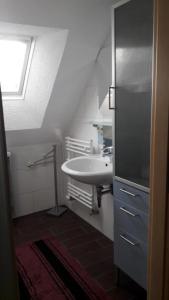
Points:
(130, 236)
(133, 27)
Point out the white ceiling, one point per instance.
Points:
(88, 23)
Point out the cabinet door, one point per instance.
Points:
(131, 256)
(133, 76)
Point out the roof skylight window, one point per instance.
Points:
(15, 56)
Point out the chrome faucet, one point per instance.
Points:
(107, 151)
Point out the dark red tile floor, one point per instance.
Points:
(86, 244)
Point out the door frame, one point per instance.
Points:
(158, 261)
(8, 275)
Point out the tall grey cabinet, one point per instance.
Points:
(133, 27)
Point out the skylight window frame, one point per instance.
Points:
(30, 44)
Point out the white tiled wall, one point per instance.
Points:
(32, 189)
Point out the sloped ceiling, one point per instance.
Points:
(29, 112)
(87, 23)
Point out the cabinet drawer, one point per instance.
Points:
(131, 257)
(132, 220)
(131, 196)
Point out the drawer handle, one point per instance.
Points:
(128, 212)
(128, 241)
(128, 193)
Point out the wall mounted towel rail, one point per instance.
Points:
(76, 147)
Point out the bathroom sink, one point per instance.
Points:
(93, 170)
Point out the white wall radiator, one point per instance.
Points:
(75, 148)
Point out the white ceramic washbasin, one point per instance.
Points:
(91, 169)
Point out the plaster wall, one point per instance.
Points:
(90, 110)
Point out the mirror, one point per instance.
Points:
(107, 136)
(104, 134)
